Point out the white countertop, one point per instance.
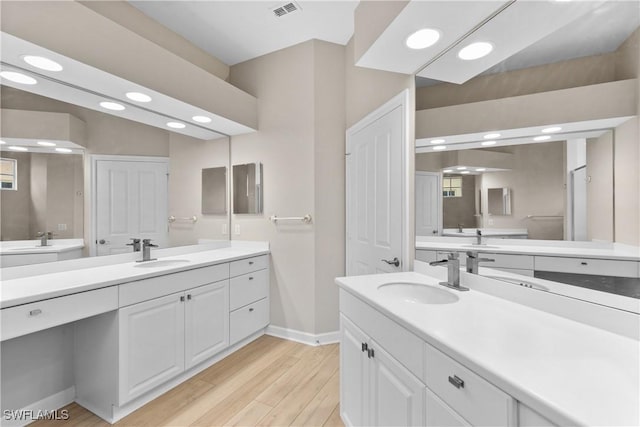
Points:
(471, 232)
(534, 247)
(575, 373)
(23, 247)
(55, 284)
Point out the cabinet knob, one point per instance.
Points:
(250, 310)
(456, 381)
(365, 347)
(250, 277)
(250, 262)
(35, 312)
(370, 353)
(583, 263)
(182, 298)
(189, 296)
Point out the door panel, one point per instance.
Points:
(206, 322)
(374, 196)
(427, 204)
(353, 375)
(131, 201)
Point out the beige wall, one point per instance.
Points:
(537, 188)
(599, 188)
(627, 183)
(188, 156)
(15, 205)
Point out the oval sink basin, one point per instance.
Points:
(162, 263)
(417, 293)
(519, 282)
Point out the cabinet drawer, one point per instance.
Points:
(523, 262)
(600, 267)
(37, 316)
(475, 399)
(249, 288)
(156, 287)
(248, 319)
(244, 266)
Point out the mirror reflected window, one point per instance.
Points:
(8, 174)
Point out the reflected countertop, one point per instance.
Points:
(23, 247)
(599, 250)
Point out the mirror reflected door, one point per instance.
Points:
(247, 188)
(214, 191)
(499, 201)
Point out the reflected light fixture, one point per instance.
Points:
(176, 125)
(488, 143)
(542, 138)
(461, 168)
(440, 147)
(63, 150)
(447, 170)
(423, 38)
(42, 63)
(491, 136)
(138, 96)
(17, 148)
(47, 143)
(552, 129)
(12, 76)
(465, 172)
(475, 50)
(481, 169)
(2, 142)
(201, 119)
(437, 141)
(112, 106)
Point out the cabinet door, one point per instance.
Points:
(353, 374)
(397, 397)
(151, 337)
(206, 322)
(439, 414)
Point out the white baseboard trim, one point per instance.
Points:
(46, 408)
(303, 337)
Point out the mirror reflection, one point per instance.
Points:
(499, 201)
(214, 191)
(247, 188)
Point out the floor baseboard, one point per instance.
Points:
(47, 408)
(303, 337)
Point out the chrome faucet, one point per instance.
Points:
(146, 250)
(135, 243)
(44, 237)
(478, 237)
(453, 272)
(460, 228)
(473, 261)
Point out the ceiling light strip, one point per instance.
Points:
(465, 35)
(107, 97)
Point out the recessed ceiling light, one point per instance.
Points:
(17, 148)
(12, 76)
(488, 143)
(465, 172)
(437, 141)
(138, 97)
(201, 119)
(552, 129)
(47, 143)
(475, 51)
(112, 106)
(542, 138)
(461, 168)
(447, 170)
(176, 125)
(481, 169)
(491, 136)
(440, 147)
(423, 38)
(63, 150)
(42, 63)
(2, 142)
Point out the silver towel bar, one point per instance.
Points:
(544, 216)
(306, 219)
(192, 219)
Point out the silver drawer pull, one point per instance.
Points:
(583, 263)
(250, 262)
(35, 312)
(250, 310)
(250, 277)
(456, 381)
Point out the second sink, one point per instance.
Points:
(417, 293)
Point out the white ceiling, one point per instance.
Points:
(236, 31)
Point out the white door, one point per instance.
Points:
(397, 397)
(131, 201)
(206, 322)
(374, 195)
(353, 374)
(579, 204)
(151, 337)
(428, 198)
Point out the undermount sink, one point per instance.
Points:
(519, 282)
(162, 263)
(481, 246)
(417, 293)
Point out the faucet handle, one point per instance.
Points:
(452, 255)
(472, 254)
(135, 240)
(147, 242)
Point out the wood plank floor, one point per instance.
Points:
(270, 382)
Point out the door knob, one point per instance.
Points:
(102, 242)
(395, 261)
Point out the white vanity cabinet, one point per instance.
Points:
(249, 300)
(375, 389)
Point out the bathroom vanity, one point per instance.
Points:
(415, 353)
(26, 252)
(142, 328)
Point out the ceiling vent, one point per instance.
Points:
(285, 9)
